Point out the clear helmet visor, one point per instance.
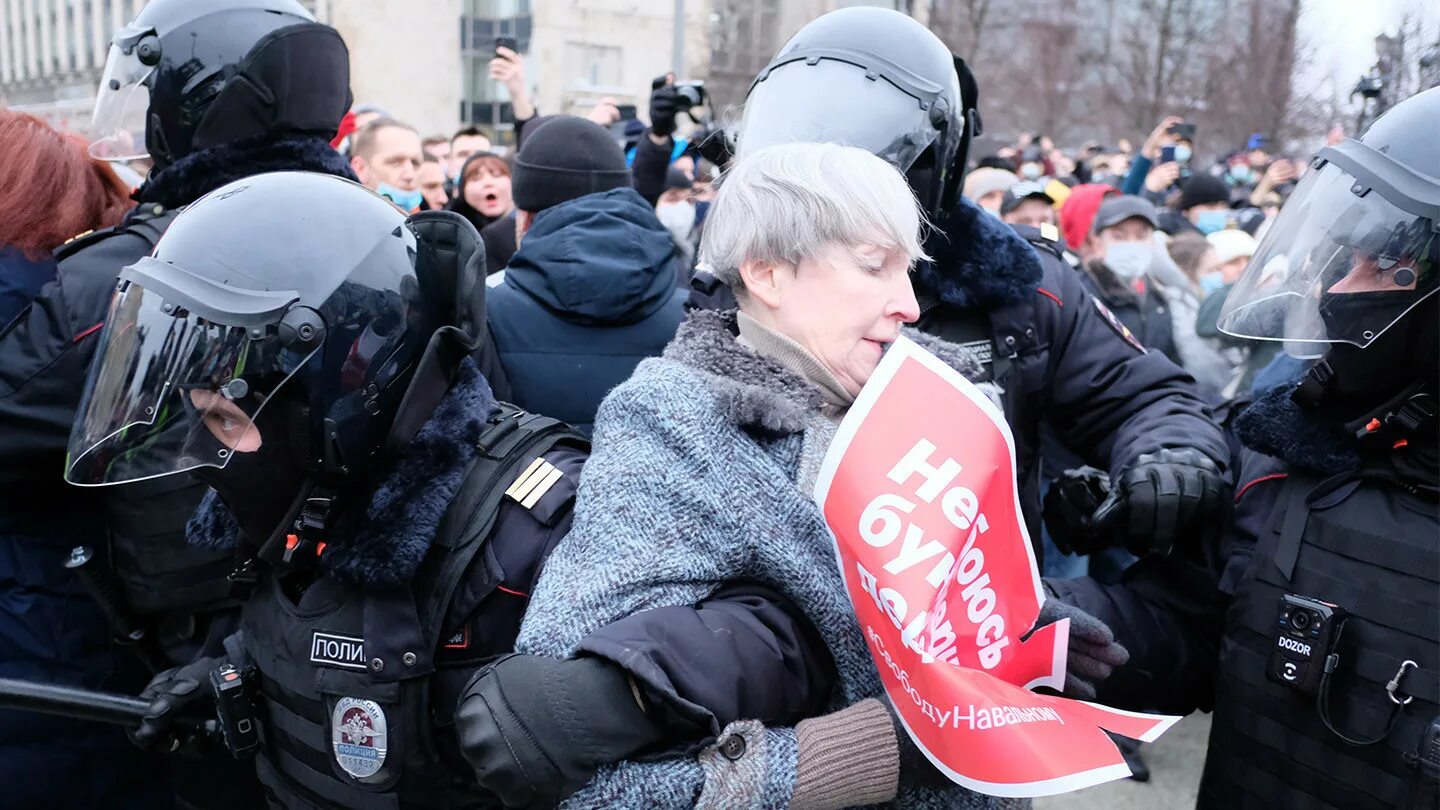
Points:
(790, 106)
(1333, 268)
(117, 126)
(170, 391)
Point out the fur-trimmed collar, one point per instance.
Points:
(979, 261)
(384, 544)
(1276, 426)
(759, 393)
(199, 173)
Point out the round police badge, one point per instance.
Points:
(357, 733)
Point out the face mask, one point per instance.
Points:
(405, 200)
(1129, 260)
(994, 212)
(1242, 174)
(1182, 154)
(1368, 376)
(702, 208)
(1211, 282)
(1211, 221)
(1031, 171)
(678, 219)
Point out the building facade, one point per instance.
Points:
(425, 63)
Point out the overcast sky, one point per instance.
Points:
(1342, 34)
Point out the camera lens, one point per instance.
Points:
(1301, 619)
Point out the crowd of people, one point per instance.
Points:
(292, 434)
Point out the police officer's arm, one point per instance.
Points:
(747, 652)
(45, 353)
(1110, 401)
(1169, 615)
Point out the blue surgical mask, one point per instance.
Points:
(1182, 154)
(1211, 282)
(405, 200)
(1242, 174)
(1211, 221)
(1129, 260)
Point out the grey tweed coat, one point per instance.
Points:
(692, 482)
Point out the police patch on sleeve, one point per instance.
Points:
(1119, 328)
(357, 734)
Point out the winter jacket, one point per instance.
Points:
(1139, 306)
(20, 279)
(693, 483)
(500, 244)
(589, 294)
(51, 631)
(1213, 366)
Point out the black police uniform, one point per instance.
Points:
(356, 684)
(1337, 513)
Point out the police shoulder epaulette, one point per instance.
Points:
(543, 489)
(81, 241)
(1046, 238)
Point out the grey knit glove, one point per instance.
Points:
(1094, 652)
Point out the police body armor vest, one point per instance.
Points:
(156, 569)
(1373, 549)
(357, 690)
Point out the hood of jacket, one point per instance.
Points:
(383, 543)
(978, 261)
(759, 393)
(602, 259)
(199, 173)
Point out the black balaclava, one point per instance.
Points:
(261, 488)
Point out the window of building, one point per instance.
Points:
(593, 67)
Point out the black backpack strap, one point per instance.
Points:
(513, 439)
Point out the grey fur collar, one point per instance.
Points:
(760, 394)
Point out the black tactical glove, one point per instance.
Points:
(1070, 507)
(1094, 653)
(536, 729)
(1164, 496)
(665, 103)
(180, 702)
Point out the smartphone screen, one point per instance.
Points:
(506, 42)
(627, 112)
(1167, 154)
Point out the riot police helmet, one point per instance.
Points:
(876, 79)
(1353, 259)
(186, 75)
(302, 289)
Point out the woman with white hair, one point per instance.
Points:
(702, 473)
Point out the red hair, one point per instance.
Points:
(53, 189)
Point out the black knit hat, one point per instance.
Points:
(1202, 189)
(563, 158)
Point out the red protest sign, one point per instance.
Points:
(919, 489)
